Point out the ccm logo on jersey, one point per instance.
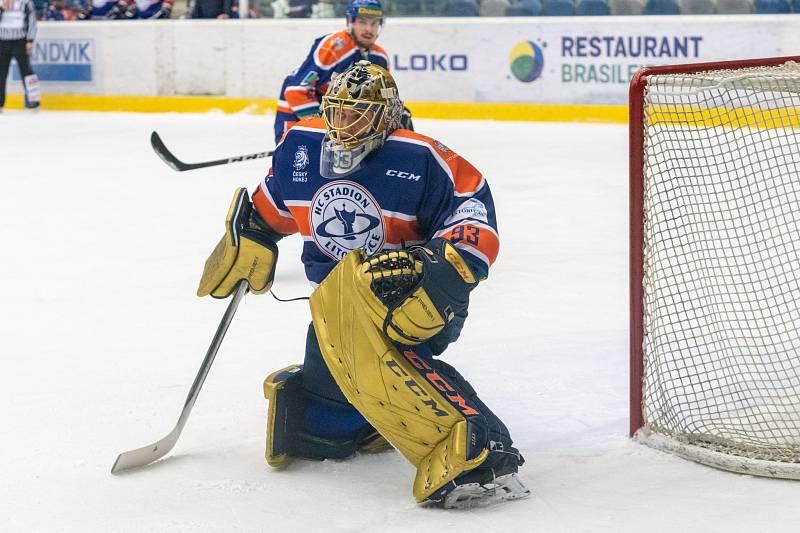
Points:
(403, 174)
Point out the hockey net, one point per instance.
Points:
(715, 263)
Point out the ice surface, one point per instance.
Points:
(102, 335)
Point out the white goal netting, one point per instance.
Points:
(722, 267)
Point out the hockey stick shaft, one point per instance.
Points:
(147, 454)
(169, 158)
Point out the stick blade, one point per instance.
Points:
(166, 156)
(145, 455)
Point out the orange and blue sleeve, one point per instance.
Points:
(303, 93)
(464, 213)
(270, 207)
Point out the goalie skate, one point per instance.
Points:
(469, 495)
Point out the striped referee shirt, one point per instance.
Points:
(17, 20)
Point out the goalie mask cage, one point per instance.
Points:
(715, 263)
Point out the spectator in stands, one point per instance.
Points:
(102, 10)
(57, 11)
(73, 11)
(294, 9)
(154, 9)
(186, 12)
(77, 9)
(119, 9)
(39, 6)
(17, 32)
(213, 9)
(260, 9)
(323, 9)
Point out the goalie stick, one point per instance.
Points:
(169, 158)
(147, 454)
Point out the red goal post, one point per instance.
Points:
(714, 152)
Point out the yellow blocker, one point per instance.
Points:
(245, 252)
(423, 418)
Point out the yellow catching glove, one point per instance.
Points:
(247, 251)
(412, 294)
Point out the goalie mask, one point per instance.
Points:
(361, 108)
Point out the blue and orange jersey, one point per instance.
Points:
(408, 192)
(302, 90)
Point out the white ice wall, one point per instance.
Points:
(583, 60)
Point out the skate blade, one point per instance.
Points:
(471, 495)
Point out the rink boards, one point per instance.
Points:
(518, 68)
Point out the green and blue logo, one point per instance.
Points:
(527, 61)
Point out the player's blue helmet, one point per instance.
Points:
(364, 8)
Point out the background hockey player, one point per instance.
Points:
(330, 54)
(398, 230)
(17, 32)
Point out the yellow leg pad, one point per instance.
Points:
(445, 462)
(273, 385)
(385, 386)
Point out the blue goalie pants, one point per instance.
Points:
(329, 415)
